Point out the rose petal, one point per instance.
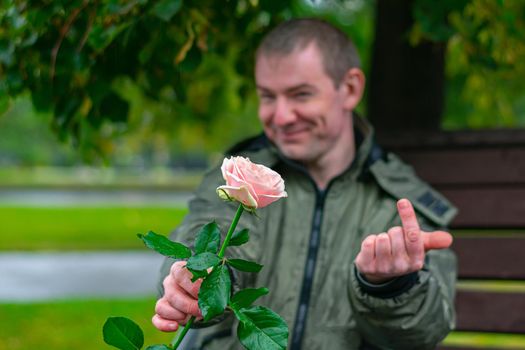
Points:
(241, 194)
(254, 185)
(265, 199)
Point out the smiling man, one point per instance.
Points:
(352, 257)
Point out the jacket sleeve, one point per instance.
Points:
(418, 318)
(204, 207)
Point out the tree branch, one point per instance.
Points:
(63, 31)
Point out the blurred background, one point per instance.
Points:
(111, 110)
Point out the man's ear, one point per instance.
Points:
(353, 86)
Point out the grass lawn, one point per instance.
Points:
(83, 228)
(77, 325)
(71, 325)
(486, 340)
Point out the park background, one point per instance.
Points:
(139, 97)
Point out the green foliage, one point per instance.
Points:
(240, 237)
(431, 19)
(485, 59)
(203, 261)
(208, 239)
(243, 265)
(161, 244)
(214, 293)
(72, 56)
(246, 297)
(173, 76)
(123, 333)
(261, 328)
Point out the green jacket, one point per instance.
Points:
(321, 233)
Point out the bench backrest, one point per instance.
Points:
(483, 174)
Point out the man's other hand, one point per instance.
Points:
(399, 251)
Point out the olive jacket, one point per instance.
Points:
(308, 242)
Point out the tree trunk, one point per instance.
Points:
(406, 82)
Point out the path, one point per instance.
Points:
(39, 276)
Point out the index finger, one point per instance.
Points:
(182, 278)
(413, 239)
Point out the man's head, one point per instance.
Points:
(337, 50)
(306, 96)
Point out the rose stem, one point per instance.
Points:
(221, 255)
(230, 231)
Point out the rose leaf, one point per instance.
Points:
(261, 328)
(208, 239)
(164, 246)
(214, 293)
(240, 237)
(246, 297)
(123, 333)
(197, 274)
(202, 261)
(244, 265)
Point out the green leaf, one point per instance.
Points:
(214, 293)
(158, 347)
(208, 239)
(197, 274)
(202, 261)
(164, 246)
(123, 333)
(246, 297)
(102, 36)
(244, 265)
(165, 9)
(261, 328)
(240, 237)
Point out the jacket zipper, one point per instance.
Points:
(308, 277)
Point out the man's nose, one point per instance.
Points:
(284, 113)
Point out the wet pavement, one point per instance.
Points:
(93, 197)
(40, 276)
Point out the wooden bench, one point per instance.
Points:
(483, 174)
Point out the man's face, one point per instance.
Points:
(301, 109)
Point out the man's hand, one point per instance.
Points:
(179, 302)
(399, 251)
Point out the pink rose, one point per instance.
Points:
(253, 185)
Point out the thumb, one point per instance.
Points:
(436, 240)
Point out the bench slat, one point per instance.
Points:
(490, 311)
(490, 257)
(468, 166)
(488, 207)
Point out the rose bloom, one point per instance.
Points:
(253, 185)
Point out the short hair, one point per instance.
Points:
(337, 50)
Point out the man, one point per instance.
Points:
(346, 262)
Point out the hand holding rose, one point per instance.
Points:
(399, 251)
(180, 299)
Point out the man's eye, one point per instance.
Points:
(266, 98)
(302, 95)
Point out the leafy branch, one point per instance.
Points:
(259, 327)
